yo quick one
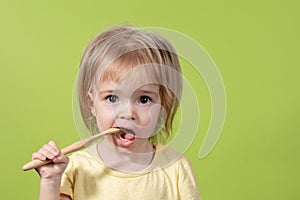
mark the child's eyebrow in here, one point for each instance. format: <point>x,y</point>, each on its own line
<point>107,91</point>
<point>143,91</point>
<point>147,92</point>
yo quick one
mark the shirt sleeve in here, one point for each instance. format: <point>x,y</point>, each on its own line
<point>187,184</point>
<point>67,180</point>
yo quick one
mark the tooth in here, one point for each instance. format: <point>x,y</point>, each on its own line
<point>121,138</point>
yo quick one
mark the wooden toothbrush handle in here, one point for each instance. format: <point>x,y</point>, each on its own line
<point>71,148</point>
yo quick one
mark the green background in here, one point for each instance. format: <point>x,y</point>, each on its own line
<point>255,45</point>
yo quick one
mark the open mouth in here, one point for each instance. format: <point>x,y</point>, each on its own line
<point>125,134</point>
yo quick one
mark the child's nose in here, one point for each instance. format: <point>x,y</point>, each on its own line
<point>127,111</point>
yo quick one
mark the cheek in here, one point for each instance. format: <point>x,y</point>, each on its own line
<point>152,115</point>
<point>104,118</point>
<point>149,119</point>
<point>155,112</point>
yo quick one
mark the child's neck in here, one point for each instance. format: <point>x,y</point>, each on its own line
<point>126,161</point>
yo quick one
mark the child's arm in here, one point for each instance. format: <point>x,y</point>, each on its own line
<point>51,173</point>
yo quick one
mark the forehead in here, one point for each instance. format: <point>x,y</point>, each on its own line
<point>140,66</point>
<point>133,76</point>
<point>115,87</point>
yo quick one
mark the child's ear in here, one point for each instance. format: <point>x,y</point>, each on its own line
<point>91,103</point>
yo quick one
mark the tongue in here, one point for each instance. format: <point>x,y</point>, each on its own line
<point>128,136</point>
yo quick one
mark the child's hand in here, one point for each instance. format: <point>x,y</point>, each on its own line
<point>59,161</point>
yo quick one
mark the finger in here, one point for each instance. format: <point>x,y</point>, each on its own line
<point>53,144</point>
<point>37,155</point>
<point>61,159</point>
<point>49,151</point>
<point>55,149</point>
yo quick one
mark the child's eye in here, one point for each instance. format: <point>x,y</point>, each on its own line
<point>145,99</point>
<point>112,98</point>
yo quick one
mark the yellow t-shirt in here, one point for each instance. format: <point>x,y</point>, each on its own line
<point>168,177</point>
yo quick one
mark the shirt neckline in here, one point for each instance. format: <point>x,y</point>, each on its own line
<point>95,155</point>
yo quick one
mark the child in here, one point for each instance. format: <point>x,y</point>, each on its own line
<point>131,80</point>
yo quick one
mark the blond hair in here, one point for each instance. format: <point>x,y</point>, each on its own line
<point>119,49</point>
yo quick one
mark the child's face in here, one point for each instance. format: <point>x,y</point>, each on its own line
<point>135,109</point>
